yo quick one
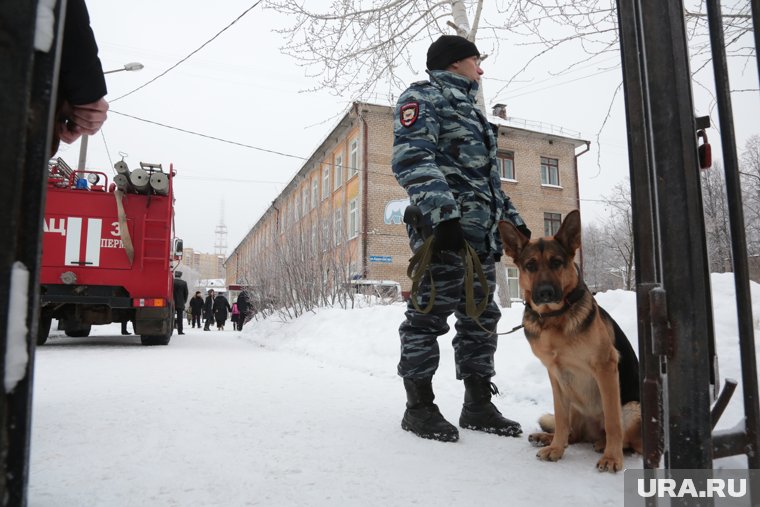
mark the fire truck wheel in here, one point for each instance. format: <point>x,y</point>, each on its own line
<point>79,332</point>
<point>43,329</point>
<point>160,339</point>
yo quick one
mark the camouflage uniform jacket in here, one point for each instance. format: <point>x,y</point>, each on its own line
<point>444,155</point>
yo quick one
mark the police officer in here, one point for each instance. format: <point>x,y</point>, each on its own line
<point>444,155</point>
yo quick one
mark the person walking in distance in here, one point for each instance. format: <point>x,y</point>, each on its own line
<point>180,299</point>
<point>221,311</point>
<point>208,310</point>
<point>235,315</point>
<point>244,307</point>
<point>444,155</point>
<point>196,309</point>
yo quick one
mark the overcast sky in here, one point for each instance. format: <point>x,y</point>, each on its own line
<point>240,88</point>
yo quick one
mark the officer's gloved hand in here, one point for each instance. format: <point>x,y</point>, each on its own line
<point>448,235</point>
<point>524,230</point>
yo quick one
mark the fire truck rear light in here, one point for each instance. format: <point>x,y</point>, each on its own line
<point>143,302</point>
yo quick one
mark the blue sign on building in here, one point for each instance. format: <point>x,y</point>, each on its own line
<point>386,259</point>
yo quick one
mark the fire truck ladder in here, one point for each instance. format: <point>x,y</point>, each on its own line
<point>155,239</point>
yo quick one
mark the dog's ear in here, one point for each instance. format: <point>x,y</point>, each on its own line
<point>569,234</point>
<point>514,240</point>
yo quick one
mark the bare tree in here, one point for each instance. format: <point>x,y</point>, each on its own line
<point>715,208</point>
<point>354,45</point>
<point>618,234</point>
<point>608,251</point>
<point>597,259</point>
<point>302,265</point>
<point>591,27</point>
<point>750,172</point>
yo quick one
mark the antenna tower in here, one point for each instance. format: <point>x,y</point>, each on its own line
<point>220,233</point>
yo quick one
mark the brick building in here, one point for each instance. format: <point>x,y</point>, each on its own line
<point>346,196</point>
<point>207,266</point>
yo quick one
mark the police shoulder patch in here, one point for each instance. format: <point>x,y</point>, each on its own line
<point>409,113</point>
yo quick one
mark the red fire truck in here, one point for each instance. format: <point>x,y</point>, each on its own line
<point>108,251</point>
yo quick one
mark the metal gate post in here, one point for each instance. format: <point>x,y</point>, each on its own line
<point>670,232</point>
<point>747,441</point>
<point>644,229</point>
<point>29,81</point>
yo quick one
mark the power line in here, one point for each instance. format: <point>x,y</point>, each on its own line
<point>208,136</point>
<point>191,54</point>
<point>563,83</point>
<point>297,157</point>
<point>108,152</point>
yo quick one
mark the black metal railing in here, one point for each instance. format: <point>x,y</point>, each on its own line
<point>675,323</point>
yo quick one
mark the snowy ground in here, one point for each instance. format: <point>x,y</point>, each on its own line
<point>304,413</point>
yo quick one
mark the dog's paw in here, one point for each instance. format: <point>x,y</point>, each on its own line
<point>599,445</point>
<point>540,439</point>
<point>610,463</point>
<point>550,453</point>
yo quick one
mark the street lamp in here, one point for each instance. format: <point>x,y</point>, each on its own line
<point>83,140</point>
<point>127,66</point>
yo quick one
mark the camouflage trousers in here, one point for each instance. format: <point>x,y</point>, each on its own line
<point>474,348</point>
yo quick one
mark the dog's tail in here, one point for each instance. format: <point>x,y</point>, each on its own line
<point>546,422</point>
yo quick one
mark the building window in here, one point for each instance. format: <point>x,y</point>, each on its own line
<point>314,193</point>
<point>325,240</point>
<point>338,225</point>
<point>513,284</point>
<point>552,221</point>
<point>549,171</point>
<point>338,171</point>
<point>353,158</point>
<point>353,219</point>
<point>506,162</point>
<point>305,199</point>
<point>325,181</point>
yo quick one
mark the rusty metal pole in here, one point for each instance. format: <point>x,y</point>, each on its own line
<point>670,231</point>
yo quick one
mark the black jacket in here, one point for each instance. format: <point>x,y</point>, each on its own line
<point>244,303</point>
<point>221,307</point>
<point>208,308</point>
<point>180,293</point>
<point>81,78</point>
<point>196,305</point>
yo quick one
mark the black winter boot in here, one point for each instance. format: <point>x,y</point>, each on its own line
<point>478,413</point>
<point>422,416</point>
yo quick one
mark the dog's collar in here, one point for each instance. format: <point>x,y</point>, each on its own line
<point>573,297</point>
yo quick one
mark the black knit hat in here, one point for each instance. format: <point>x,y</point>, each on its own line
<point>449,49</point>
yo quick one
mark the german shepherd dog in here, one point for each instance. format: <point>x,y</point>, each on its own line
<point>592,367</point>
